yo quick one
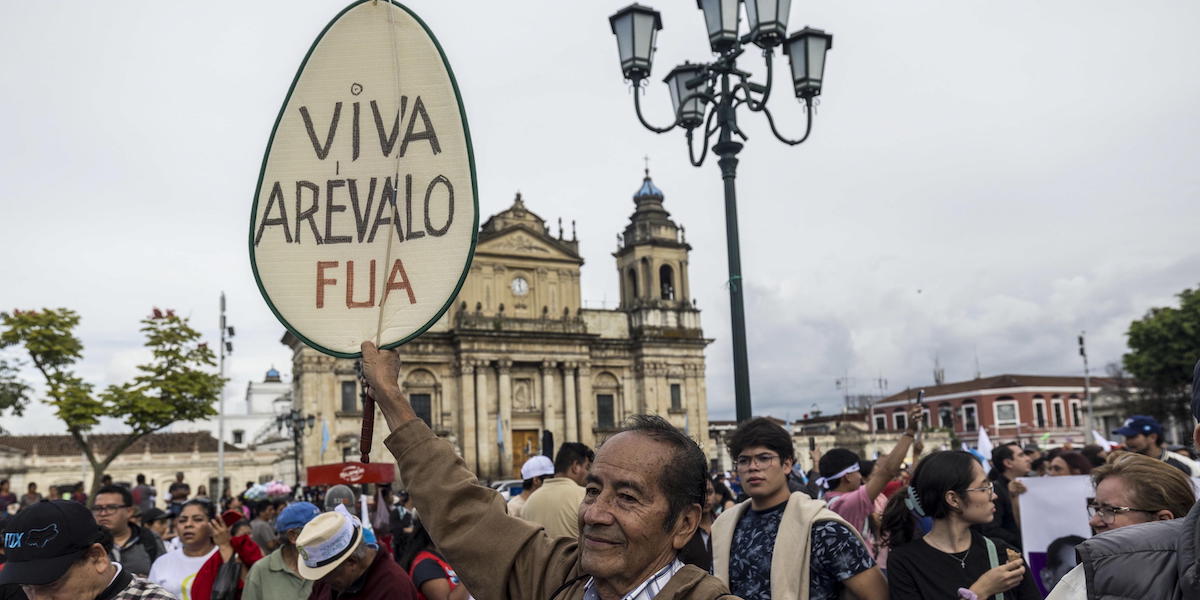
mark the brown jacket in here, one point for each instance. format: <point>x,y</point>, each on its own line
<point>496,555</point>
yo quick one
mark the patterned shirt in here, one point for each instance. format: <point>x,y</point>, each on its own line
<point>836,555</point>
<point>143,589</point>
<point>646,591</point>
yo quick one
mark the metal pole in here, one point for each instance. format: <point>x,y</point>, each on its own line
<point>728,149</point>
<point>1087,389</point>
<point>296,425</point>
<point>220,491</point>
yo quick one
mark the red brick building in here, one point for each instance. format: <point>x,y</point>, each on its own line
<point>1010,407</point>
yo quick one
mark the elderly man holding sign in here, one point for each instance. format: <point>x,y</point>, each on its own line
<point>643,501</point>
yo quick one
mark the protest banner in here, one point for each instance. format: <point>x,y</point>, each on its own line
<point>1054,520</point>
<point>366,214</point>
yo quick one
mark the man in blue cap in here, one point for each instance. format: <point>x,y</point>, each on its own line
<point>277,577</point>
<point>1145,436</point>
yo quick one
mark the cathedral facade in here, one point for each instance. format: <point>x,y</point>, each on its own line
<point>517,364</point>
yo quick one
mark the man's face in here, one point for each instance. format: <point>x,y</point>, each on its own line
<point>579,471</point>
<point>1114,492</point>
<point>344,575</point>
<point>761,471</point>
<point>111,513</point>
<point>622,533</point>
<point>85,579</point>
<point>1020,462</point>
<point>853,481</point>
<point>1139,443</point>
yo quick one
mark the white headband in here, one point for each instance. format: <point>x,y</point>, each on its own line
<point>323,553</point>
<point>824,481</point>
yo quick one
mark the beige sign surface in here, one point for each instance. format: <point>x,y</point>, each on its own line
<point>365,216</point>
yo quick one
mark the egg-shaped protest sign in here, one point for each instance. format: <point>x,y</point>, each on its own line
<point>365,216</point>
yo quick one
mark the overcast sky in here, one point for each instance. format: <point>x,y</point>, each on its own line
<point>984,179</point>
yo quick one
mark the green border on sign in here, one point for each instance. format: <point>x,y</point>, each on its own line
<point>470,159</point>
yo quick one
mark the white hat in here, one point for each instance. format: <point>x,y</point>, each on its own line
<point>536,467</point>
<point>325,542</point>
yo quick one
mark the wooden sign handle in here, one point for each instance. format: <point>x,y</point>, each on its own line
<point>368,416</point>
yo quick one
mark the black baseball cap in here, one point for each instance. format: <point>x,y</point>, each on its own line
<point>45,539</point>
<point>154,514</point>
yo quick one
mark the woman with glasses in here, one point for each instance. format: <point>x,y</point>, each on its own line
<point>1131,489</point>
<point>934,551</point>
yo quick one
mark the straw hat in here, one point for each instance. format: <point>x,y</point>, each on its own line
<point>326,542</point>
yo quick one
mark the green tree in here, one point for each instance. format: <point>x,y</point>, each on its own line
<point>174,385</point>
<point>1164,346</point>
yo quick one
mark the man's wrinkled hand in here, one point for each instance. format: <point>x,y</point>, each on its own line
<point>381,368</point>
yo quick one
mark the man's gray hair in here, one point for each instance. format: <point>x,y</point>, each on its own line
<point>682,479</point>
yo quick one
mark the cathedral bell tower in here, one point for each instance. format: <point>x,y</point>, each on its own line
<point>652,262</point>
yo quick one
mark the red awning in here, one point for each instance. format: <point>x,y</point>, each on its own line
<point>351,473</point>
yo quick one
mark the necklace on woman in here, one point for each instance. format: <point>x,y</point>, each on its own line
<point>962,562</point>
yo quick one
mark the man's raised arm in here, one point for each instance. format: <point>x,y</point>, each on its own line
<point>497,556</point>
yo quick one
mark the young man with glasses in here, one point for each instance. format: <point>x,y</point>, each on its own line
<point>133,546</point>
<point>820,553</point>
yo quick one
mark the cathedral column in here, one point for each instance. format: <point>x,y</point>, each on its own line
<point>569,407</point>
<point>587,406</point>
<point>482,437</point>
<point>684,288</point>
<point>466,413</point>
<point>691,403</point>
<point>504,368</point>
<point>548,422</point>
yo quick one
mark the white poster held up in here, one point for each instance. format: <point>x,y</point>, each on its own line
<point>365,217</point>
<point>1054,520</point>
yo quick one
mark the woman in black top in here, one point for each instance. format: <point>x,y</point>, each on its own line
<point>950,561</point>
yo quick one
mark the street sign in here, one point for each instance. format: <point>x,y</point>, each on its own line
<point>365,215</point>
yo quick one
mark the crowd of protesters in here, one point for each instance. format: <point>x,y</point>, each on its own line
<point>637,518</point>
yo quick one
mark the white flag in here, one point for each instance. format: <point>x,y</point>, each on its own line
<point>1108,446</point>
<point>985,447</point>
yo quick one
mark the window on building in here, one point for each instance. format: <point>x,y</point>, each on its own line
<point>1076,418</point>
<point>900,419</point>
<point>970,419</point>
<point>238,436</point>
<point>1006,412</point>
<point>666,281</point>
<point>633,286</point>
<point>1039,412</point>
<point>1058,414</point>
<point>946,416</point>
<point>422,404</point>
<point>676,396</point>
<point>880,423</point>
<point>605,417</point>
<point>212,487</point>
<point>349,396</point>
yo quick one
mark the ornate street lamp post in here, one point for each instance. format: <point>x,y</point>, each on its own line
<point>297,423</point>
<point>709,95</point>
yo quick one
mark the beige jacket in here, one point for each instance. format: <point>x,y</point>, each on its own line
<point>792,551</point>
<point>496,555</point>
